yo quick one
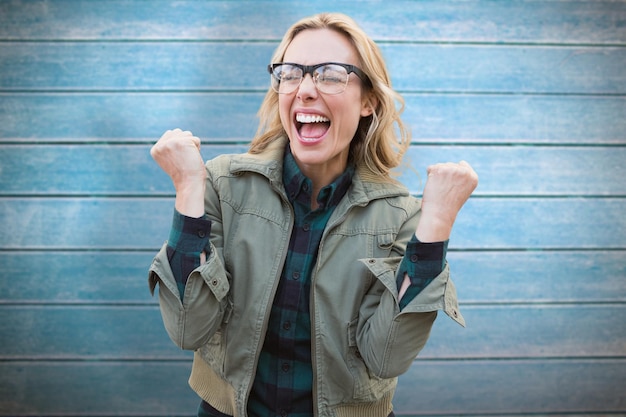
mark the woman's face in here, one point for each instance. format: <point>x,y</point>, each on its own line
<point>321,148</point>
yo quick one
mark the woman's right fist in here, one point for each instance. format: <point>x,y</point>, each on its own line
<point>178,153</point>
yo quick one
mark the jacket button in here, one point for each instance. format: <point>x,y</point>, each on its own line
<point>414,258</point>
<point>372,261</point>
<point>214,283</point>
<point>286,367</point>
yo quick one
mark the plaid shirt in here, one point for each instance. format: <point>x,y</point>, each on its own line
<point>284,378</point>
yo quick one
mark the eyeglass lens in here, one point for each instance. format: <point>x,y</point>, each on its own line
<point>329,79</point>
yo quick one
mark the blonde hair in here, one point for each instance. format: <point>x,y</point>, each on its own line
<point>381,139</point>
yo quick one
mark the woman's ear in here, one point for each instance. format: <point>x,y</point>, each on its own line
<point>368,104</point>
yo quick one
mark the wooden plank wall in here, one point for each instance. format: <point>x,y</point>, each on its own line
<point>532,93</point>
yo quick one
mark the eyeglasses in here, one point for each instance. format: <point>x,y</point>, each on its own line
<point>328,77</point>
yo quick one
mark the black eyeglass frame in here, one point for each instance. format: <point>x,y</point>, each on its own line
<point>310,69</point>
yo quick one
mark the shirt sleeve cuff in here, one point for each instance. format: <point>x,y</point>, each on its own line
<point>188,234</point>
<point>422,262</point>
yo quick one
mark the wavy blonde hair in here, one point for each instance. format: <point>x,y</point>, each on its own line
<point>381,139</point>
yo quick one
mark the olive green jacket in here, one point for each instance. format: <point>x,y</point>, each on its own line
<point>361,341</point>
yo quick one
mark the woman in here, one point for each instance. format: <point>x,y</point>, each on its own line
<point>303,276</point>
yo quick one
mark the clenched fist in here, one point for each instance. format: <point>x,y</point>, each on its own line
<point>178,154</point>
<point>447,188</point>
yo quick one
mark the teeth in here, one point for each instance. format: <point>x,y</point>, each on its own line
<point>310,118</point>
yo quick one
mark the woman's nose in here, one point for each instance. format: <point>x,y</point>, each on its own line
<point>307,88</point>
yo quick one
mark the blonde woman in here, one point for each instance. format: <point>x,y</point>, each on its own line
<point>304,277</point>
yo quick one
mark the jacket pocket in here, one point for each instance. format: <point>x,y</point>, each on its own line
<point>214,352</point>
<point>366,386</point>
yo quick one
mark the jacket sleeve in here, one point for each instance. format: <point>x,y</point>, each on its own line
<point>193,317</point>
<point>192,321</point>
<point>388,337</point>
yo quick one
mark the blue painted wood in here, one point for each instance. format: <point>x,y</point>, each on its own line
<point>212,66</point>
<point>526,170</point>
<point>441,388</point>
<point>432,117</point>
<point>530,92</point>
<point>75,278</point>
<point>531,331</point>
<point>84,332</point>
<point>143,223</point>
<point>106,388</point>
<point>503,278</point>
<point>518,21</point>
<point>484,277</point>
<point>92,170</point>
<point>587,387</point>
<point>80,169</point>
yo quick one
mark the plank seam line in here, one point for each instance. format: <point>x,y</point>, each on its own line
<point>168,195</point>
<point>135,305</point>
<point>6,359</point>
<point>150,305</point>
<point>590,413</point>
<point>245,142</point>
<point>196,91</point>
<point>611,358</point>
<point>276,41</point>
<point>51,249</point>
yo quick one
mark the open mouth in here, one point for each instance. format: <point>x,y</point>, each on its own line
<point>311,127</point>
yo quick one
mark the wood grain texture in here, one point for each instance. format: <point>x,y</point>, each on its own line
<point>99,388</point>
<point>241,66</point>
<point>483,223</point>
<point>531,92</point>
<point>497,332</point>
<point>519,387</point>
<point>431,388</point>
<point>482,277</point>
<point>517,21</point>
<point>486,118</point>
<point>79,169</point>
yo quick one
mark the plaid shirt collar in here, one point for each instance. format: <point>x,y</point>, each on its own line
<point>298,186</point>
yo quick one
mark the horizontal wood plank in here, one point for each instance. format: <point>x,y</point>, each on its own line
<point>85,332</point>
<point>224,116</point>
<point>92,169</point>
<point>132,66</point>
<point>571,22</point>
<point>539,276</point>
<point>429,388</point>
<point>493,332</point>
<point>118,278</point>
<point>536,331</point>
<point>95,169</point>
<point>83,278</point>
<point>526,387</point>
<point>143,223</point>
<point>531,92</point>
<point>150,388</point>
